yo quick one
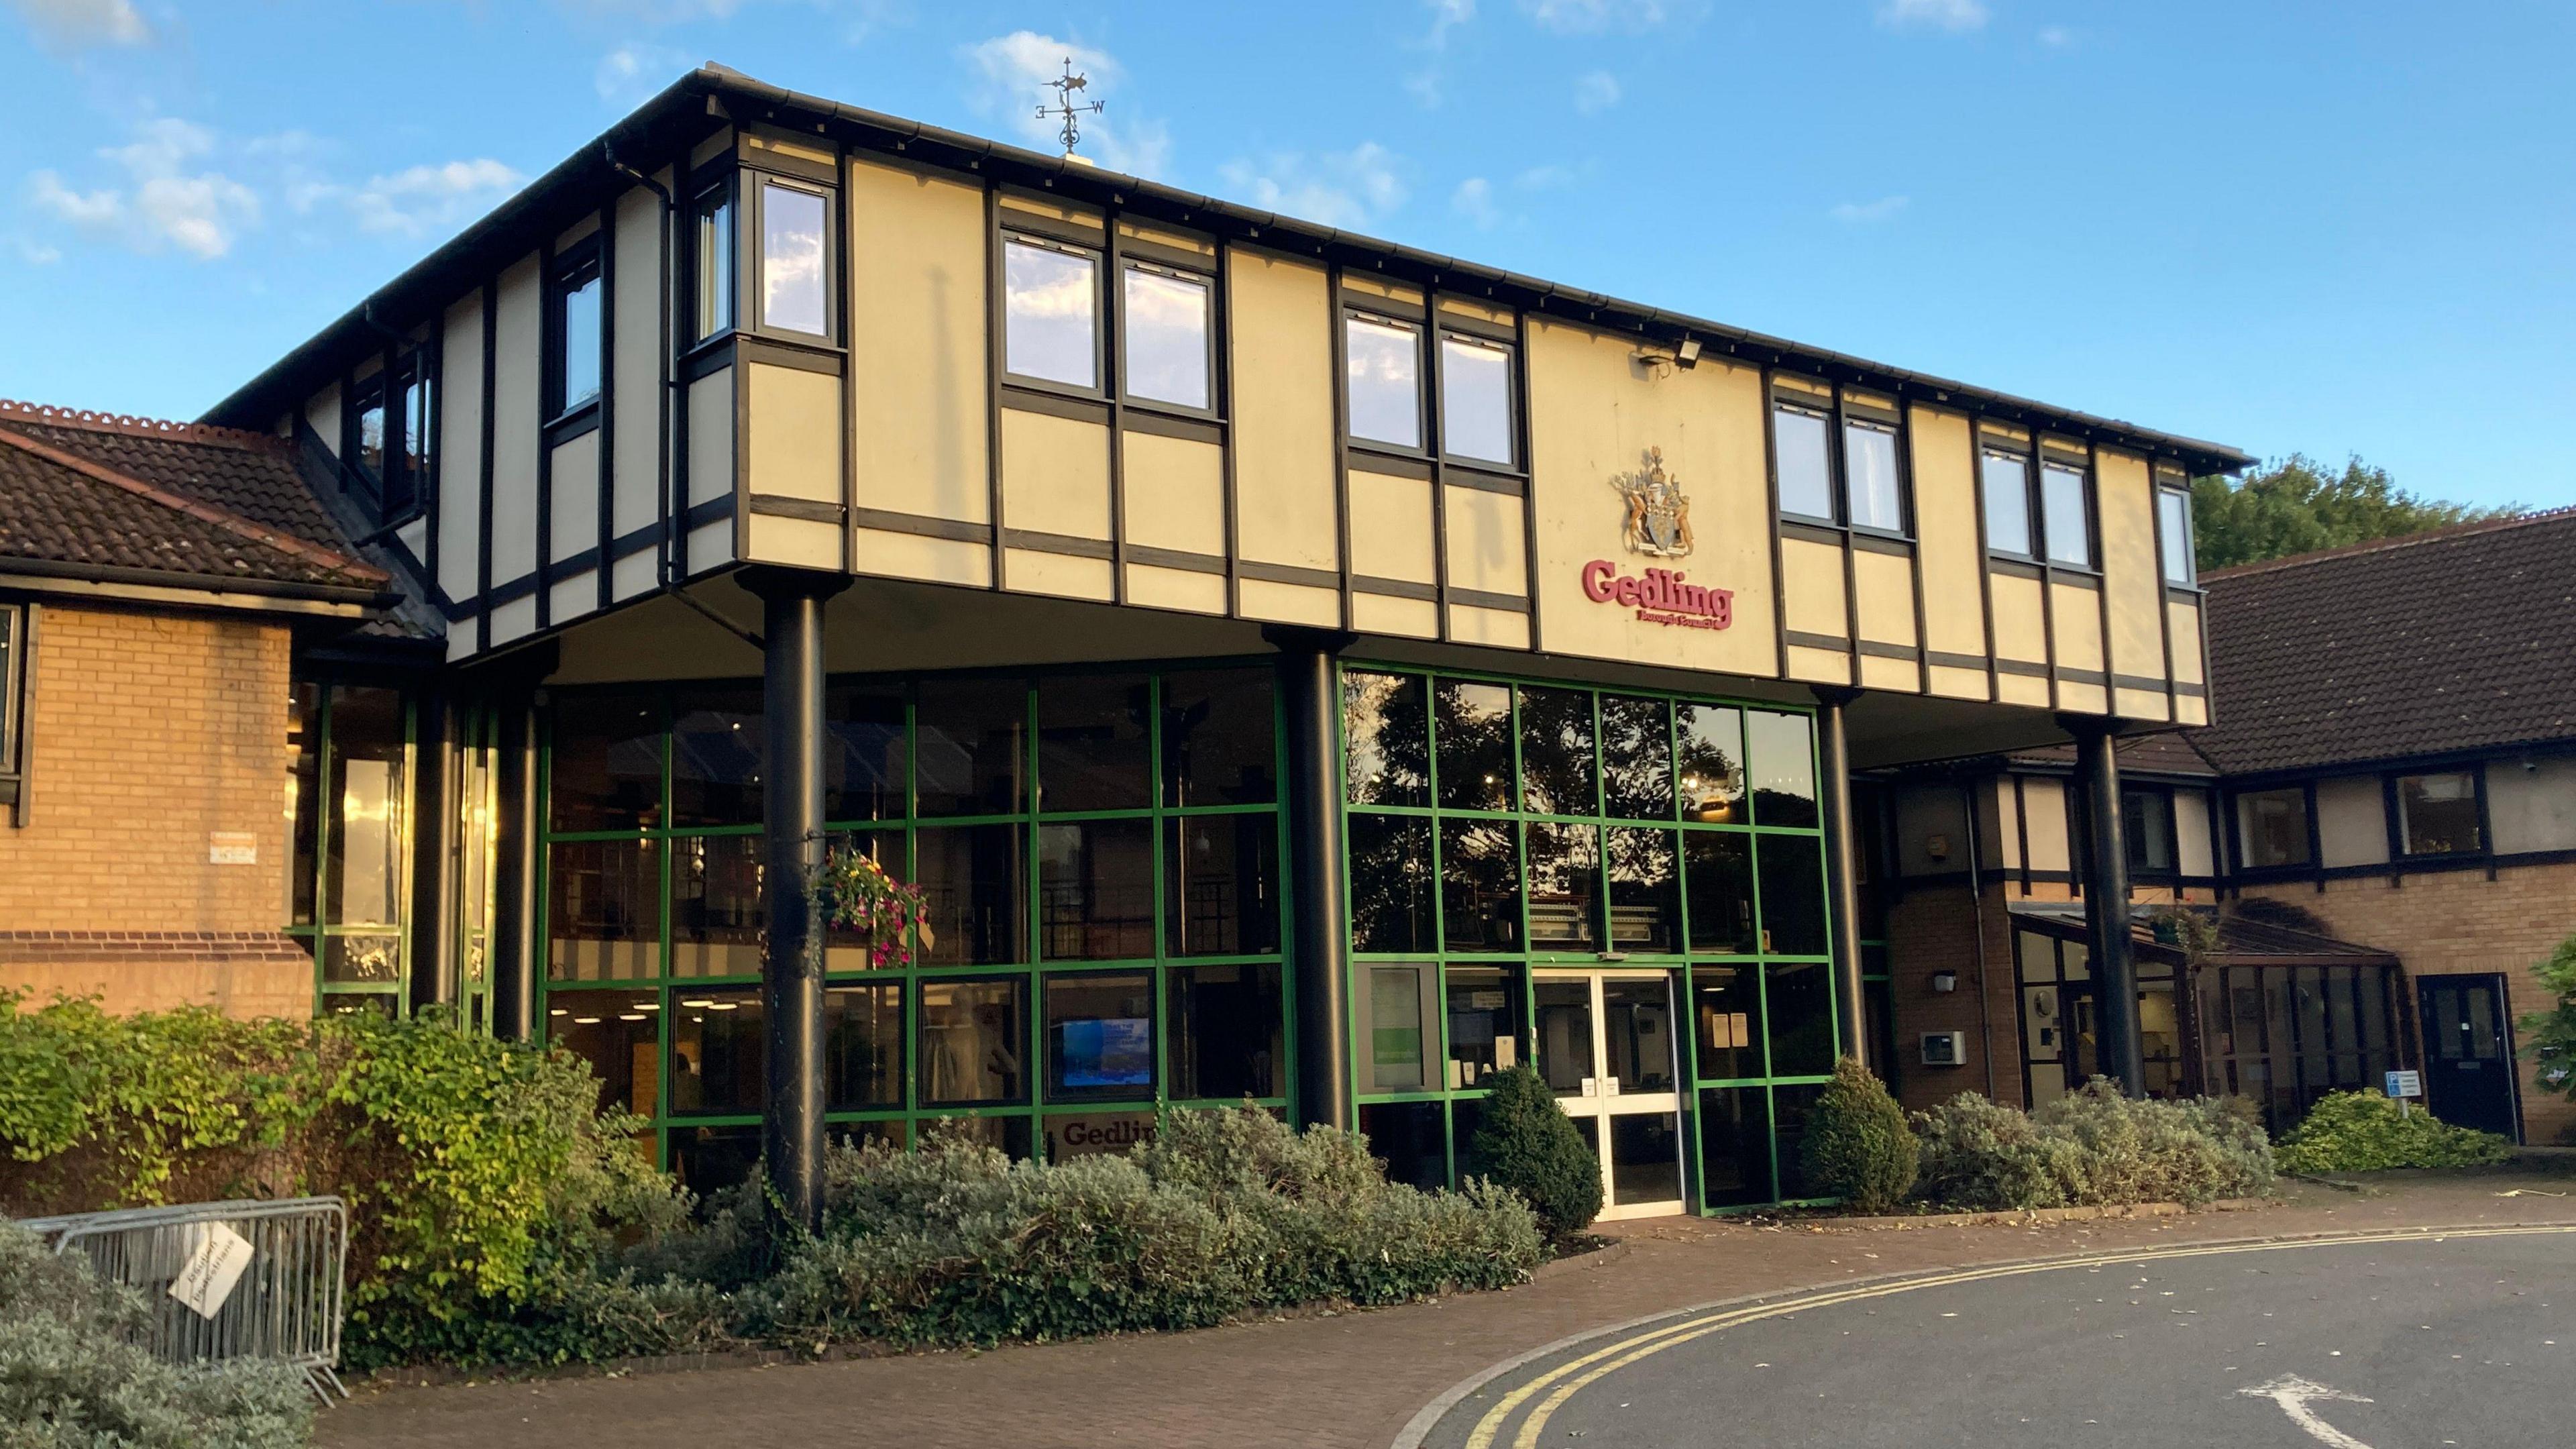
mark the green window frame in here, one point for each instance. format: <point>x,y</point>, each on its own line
<point>657,982</point>
<point>357,965</point>
<point>1777,1091</point>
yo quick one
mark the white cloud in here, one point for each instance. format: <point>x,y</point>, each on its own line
<point>1010,74</point>
<point>35,254</point>
<point>1429,85</point>
<point>1593,17</point>
<point>1595,90</point>
<point>76,24</point>
<point>420,200</point>
<point>1869,213</point>
<point>161,202</point>
<point>1938,14</point>
<point>1474,200</point>
<point>91,209</point>
<point>2056,37</point>
<point>630,74</point>
<point>1544,178</point>
<point>1341,188</point>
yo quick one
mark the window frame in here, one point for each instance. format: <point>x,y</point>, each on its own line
<point>1839,416</point>
<point>2164,538</point>
<point>1424,402</point>
<point>1442,334</point>
<point>2089,508</point>
<point>1101,315</point>
<point>1895,432</point>
<point>567,272</point>
<point>404,491</point>
<point>1824,413</point>
<point>750,245</point>
<point>17,699</point>
<point>1126,395</point>
<point>724,181</point>
<point>1990,447</point>
<point>2171,870</point>
<point>2393,800</point>
<point>2309,852</point>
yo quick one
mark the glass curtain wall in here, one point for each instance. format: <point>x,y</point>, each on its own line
<point>1498,827</point>
<point>1099,858</point>
<point>348,824</point>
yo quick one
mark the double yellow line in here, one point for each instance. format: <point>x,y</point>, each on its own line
<point>1572,1377</point>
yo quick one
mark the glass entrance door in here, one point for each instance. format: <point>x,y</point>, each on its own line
<point>1605,1045</point>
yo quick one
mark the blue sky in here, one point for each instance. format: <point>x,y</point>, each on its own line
<point>2331,228</point>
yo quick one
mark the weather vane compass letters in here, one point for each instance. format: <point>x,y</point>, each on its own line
<point>1065,109</point>
<point>1658,522</point>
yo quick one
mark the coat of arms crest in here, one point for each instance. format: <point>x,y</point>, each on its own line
<point>1658,522</point>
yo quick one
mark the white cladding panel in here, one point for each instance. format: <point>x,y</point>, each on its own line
<point>460,450</point>
<point>637,356</point>
<point>516,374</point>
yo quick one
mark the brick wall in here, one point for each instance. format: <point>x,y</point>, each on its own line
<point>150,733</point>
<point>1932,930</point>
<point>2459,922</point>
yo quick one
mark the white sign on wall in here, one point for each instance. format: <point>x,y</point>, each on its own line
<point>232,847</point>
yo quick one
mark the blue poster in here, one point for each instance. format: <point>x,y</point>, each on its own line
<point>1113,1052</point>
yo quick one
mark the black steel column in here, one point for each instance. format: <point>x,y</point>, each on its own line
<point>791,974</point>
<point>433,814</point>
<point>517,913</point>
<point>2106,904</point>
<point>1842,880</point>
<point>1310,705</point>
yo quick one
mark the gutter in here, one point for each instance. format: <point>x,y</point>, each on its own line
<point>193,590</point>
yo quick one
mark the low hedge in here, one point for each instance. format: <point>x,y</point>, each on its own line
<point>2365,1132</point>
<point>2091,1148</point>
<point>1856,1145</point>
<point>1526,1143</point>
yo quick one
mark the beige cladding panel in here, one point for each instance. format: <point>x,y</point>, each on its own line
<point>322,415</point>
<point>1051,209</point>
<point>1161,588</point>
<point>1177,241</point>
<point>804,543</point>
<point>710,439</point>
<point>1492,627</point>
<point>793,446</point>
<point>1175,494</point>
<point>2000,826</point>
<point>1281,318</point>
<point>1814,592</point>
<point>573,483</point>
<point>2131,575</point>
<point>1290,603</point>
<point>2044,802</point>
<point>1953,682</point>
<point>2020,625</point>
<point>516,353</point>
<point>1488,545</point>
<point>1877,671</point>
<point>1947,548</point>
<point>2082,698</point>
<point>635,499</point>
<point>2139,704</point>
<point>1055,476</point>
<point>935,560</point>
<point>460,450</point>
<point>1595,410</point>
<point>571,597</point>
<point>2191,833</point>
<point>2023,689</point>
<point>1480,311</point>
<point>917,316</point>
<point>2076,615</point>
<point>1821,666</point>
<point>1391,528</point>
<point>2191,711</point>
<point>1382,614</point>
<point>1886,596</point>
<point>1369,286</point>
<point>2182,620</point>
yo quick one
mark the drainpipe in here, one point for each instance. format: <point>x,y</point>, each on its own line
<point>1977,917</point>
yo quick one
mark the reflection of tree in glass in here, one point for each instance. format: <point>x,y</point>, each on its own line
<point>1386,739</point>
<point>1637,757</point>
<point>1564,885</point>
<point>1474,725</point>
<point>1390,883</point>
<point>1480,886</point>
<point>1712,763</point>
<point>1556,751</point>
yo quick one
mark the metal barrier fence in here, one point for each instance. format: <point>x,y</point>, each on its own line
<point>226,1280</point>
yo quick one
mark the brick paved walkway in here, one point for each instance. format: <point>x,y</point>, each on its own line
<point>1349,1380</point>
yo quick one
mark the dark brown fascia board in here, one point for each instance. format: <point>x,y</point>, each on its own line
<point>575,182</point>
<point>205,591</point>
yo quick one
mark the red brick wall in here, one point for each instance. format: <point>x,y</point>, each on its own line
<point>150,732</point>
<point>1931,930</point>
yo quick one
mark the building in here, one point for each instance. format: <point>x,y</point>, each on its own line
<point>2382,820</point>
<point>1294,667</point>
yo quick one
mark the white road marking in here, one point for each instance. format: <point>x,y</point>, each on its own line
<point>2294,1394</point>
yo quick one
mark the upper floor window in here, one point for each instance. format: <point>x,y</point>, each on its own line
<point>1168,356</point>
<point>2006,480</point>
<point>1384,364</point>
<point>13,668</point>
<point>2066,514</point>
<point>413,386</point>
<point>1476,399</point>
<point>367,430</point>
<point>2173,526</point>
<point>390,442</point>
<point>1050,312</point>
<point>1869,469</point>
<point>2272,827</point>
<point>2147,830</point>
<point>2437,814</point>
<point>794,290</point>
<point>1800,445</point>
<point>575,298</point>
<point>711,233</point>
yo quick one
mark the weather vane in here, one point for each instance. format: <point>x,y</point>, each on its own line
<point>1064,107</point>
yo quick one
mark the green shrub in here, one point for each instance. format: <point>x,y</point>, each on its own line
<point>71,1376</point>
<point>2093,1148</point>
<point>2365,1132</point>
<point>2549,1037</point>
<point>1856,1146</point>
<point>1528,1144</point>
<point>1224,1214</point>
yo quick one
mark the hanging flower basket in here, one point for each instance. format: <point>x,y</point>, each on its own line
<point>857,895</point>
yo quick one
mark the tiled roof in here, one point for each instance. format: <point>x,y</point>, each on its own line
<point>2457,639</point>
<point>82,490</point>
<point>2166,753</point>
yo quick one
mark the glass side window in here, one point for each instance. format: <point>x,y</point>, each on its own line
<point>1385,381</point>
<point>1050,313</point>
<point>409,480</point>
<point>1798,442</point>
<point>1869,463</point>
<point>792,287</point>
<point>2272,827</point>
<point>712,225</point>
<point>2173,523</point>
<point>2147,830</point>
<point>367,448</point>
<point>1476,399</point>
<point>2437,814</point>
<point>2006,480</point>
<point>2066,520</point>
<point>1167,337</point>
<point>576,339</point>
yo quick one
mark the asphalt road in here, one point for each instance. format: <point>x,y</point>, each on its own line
<point>2464,1339</point>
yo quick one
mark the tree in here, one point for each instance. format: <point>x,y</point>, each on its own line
<point>2549,1037</point>
<point>2296,506</point>
<point>1528,1144</point>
